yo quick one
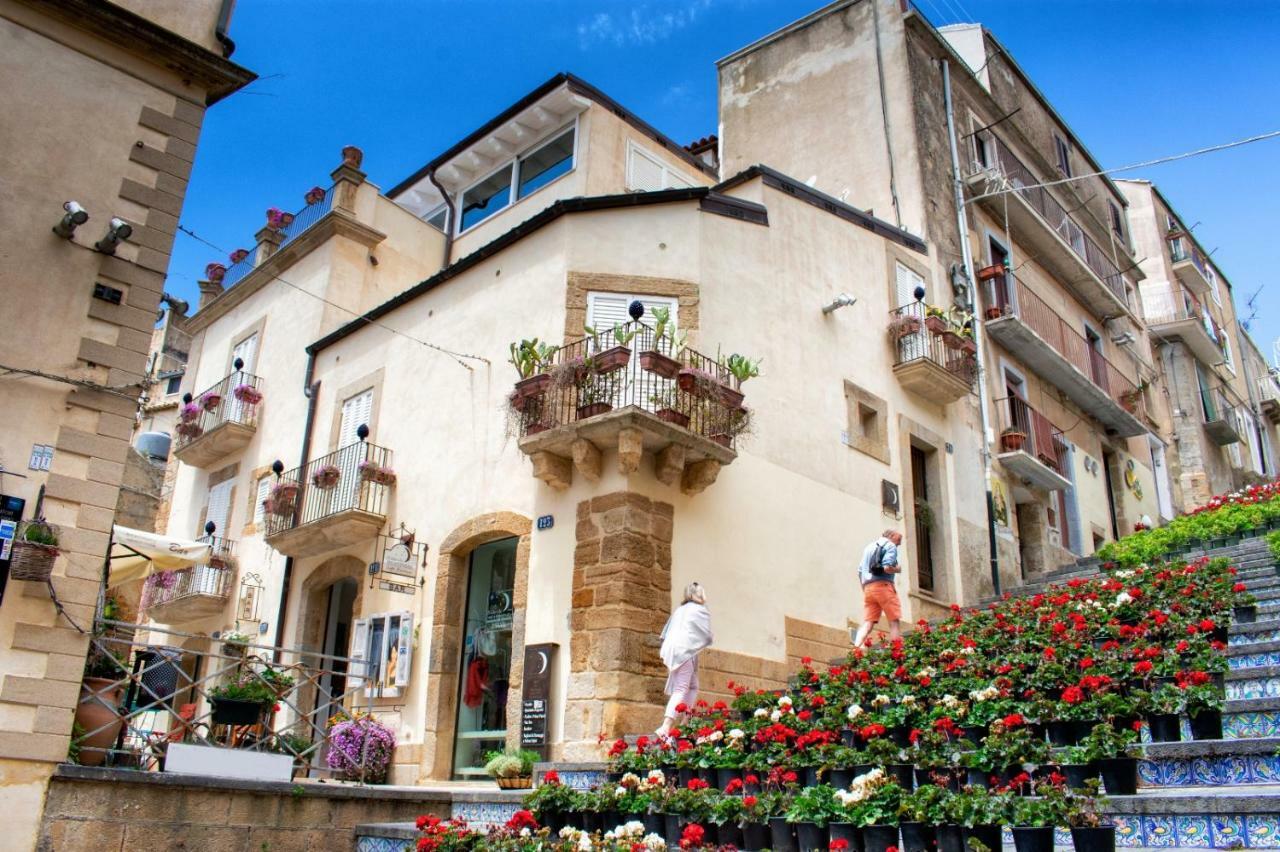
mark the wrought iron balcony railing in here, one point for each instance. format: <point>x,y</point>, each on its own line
<point>235,399</point>
<point>919,336</point>
<point>1181,248</point>
<point>208,584</point>
<point>356,477</point>
<point>1022,428</point>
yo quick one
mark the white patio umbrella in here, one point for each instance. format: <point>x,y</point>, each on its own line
<point>136,554</point>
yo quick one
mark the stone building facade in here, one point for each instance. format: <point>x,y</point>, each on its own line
<point>103,105</point>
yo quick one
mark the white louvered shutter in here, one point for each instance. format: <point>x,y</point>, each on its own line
<point>404,642</point>
<point>605,310</point>
<point>263,491</point>
<point>905,282</point>
<point>359,654</point>
<point>246,350</point>
<point>219,510</point>
<point>644,174</point>
<point>356,411</point>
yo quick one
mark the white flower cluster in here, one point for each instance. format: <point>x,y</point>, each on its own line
<point>861,788</point>
<point>985,694</point>
<point>907,700</point>
<point>1123,598</point>
<point>855,710</point>
<point>713,737</point>
<point>1125,574</point>
<point>737,734</point>
<point>1089,604</point>
<point>927,671</point>
<point>951,702</point>
<point>655,780</point>
<point>881,700</point>
<point>760,713</point>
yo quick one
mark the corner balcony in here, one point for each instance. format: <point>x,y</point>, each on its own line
<point>1220,422</point>
<point>1189,265</point>
<point>1044,229</point>
<point>1024,324</point>
<point>931,358</point>
<point>1269,398</point>
<point>681,407</point>
<point>201,591</point>
<point>332,502</point>
<point>219,421</point>
<point>1175,313</point>
<point>1031,448</point>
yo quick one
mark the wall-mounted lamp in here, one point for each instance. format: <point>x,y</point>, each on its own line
<point>844,300</point>
<point>118,230</point>
<point>72,219</point>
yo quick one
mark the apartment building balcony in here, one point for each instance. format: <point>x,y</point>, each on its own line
<point>1031,448</point>
<point>220,420</point>
<point>1269,398</point>
<point>334,501</point>
<point>176,597</point>
<point>931,358</point>
<point>1174,313</point>
<point>1037,335</point>
<point>1220,421</point>
<point>1189,265</point>
<point>644,395</point>
<point>1047,232</point>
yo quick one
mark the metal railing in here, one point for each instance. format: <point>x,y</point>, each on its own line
<point>1036,314</point>
<point>357,476</point>
<point>1171,304</point>
<point>1217,407</point>
<point>1058,219</point>
<point>593,376</point>
<point>1182,247</point>
<point>915,340</point>
<point>209,580</point>
<point>166,692</point>
<point>302,220</point>
<point>235,399</point>
<point>1039,437</point>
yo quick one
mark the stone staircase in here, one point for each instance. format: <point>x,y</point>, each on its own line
<point>1204,794</point>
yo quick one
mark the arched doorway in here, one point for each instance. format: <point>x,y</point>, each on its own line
<point>331,596</point>
<point>449,632</point>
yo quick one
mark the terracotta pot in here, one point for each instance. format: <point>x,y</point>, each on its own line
<point>987,273</point>
<point>993,313</point>
<point>658,364</point>
<point>533,386</point>
<point>670,415</point>
<point>731,397</point>
<point>594,409</point>
<point>613,359</point>
<point>352,156</point>
<point>1011,442</point>
<point>935,324</point>
<point>951,340</point>
<point>97,708</point>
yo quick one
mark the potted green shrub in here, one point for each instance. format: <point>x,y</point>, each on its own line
<point>1034,818</point>
<point>653,359</point>
<point>1204,709</point>
<point>616,357</point>
<point>530,358</point>
<point>1163,707</point>
<point>1012,440</point>
<point>34,550</point>
<point>243,701</point>
<point>1108,749</point>
<point>101,694</point>
<point>810,811</point>
<point>552,802</point>
<point>512,769</point>
<point>919,814</point>
<point>1088,831</point>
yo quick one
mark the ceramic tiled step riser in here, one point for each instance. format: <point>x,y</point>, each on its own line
<point>1210,771</point>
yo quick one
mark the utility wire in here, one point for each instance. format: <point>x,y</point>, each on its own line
<point>116,390</point>
<point>457,356</point>
<point>1158,161</point>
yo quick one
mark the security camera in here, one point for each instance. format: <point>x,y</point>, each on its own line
<point>844,300</point>
<point>72,219</point>
<point>118,230</point>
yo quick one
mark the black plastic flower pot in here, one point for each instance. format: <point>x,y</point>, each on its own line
<point>610,820</point>
<point>1081,728</point>
<point>950,838</point>
<point>988,835</point>
<point>979,778</point>
<point>903,773</point>
<point>878,838</point>
<point>1219,634</point>
<point>846,831</point>
<point>1119,775</point>
<point>809,776</point>
<point>724,776</point>
<point>229,711</point>
<point>1125,723</point>
<point>811,837</point>
<point>592,821</point>
<point>848,738</point>
<point>932,775</point>
<point>1101,839</point>
<point>1033,839</point>
<point>782,835</point>
<point>975,733</point>
<point>653,824</point>
<point>614,777</point>
<point>1078,773</point>
<point>918,837</point>
<point>707,775</point>
<point>841,778</point>
<point>901,735</point>
<point>730,834</point>
<point>673,827</point>
<point>1165,727</point>
<point>1245,614</point>
<point>1064,733</point>
<point>1207,725</point>
<point>860,769</point>
<point>755,836</point>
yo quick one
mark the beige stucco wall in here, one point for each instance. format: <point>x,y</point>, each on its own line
<point>194,20</point>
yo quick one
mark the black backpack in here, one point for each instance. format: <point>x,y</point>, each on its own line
<point>877,562</point>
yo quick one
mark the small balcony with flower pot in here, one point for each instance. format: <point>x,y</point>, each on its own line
<point>934,353</point>
<point>190,594</point>
<point>1031,448</point>
<point>219,421</point>
<point>334,501</point>
<point>635,389</point>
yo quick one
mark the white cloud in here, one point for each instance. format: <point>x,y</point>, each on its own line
<point>644,24</point>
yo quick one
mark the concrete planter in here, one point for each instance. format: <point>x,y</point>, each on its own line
<point>184,759</point>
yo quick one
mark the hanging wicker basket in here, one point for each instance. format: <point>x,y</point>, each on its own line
<point>33,560</point>
<point>519,783</point>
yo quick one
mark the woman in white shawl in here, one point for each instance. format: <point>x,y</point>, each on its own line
<point>688,631</point>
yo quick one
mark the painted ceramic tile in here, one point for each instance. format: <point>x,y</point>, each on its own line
<point>1193,831</point>
<point>1228,830</point>
<point>380,844</point>
<point>1262,831</point>
<point>1158,831</point>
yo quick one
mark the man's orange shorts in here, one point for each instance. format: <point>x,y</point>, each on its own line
<point>880,597</point>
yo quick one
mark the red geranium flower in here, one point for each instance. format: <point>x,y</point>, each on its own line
<point>522,819</point>
<point>693,836</point>
<point>1073,695</point>
<point>697,784</point>
<point>749,801</point>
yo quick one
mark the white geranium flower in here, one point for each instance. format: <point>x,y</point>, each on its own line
<point>654,843</point>
<point>855,710</point>
<point>907,700</point>
<point>1123,598</point>
<point>760,713</point>
<point>775,715</point>
<point>737,734</point>
<point>880,700</point>
<point>784,702</point>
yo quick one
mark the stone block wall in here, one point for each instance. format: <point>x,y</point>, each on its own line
<point>621,600</point>
<point>106,810</point>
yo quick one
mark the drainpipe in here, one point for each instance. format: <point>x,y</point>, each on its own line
<point>448,229</point>
<point>311,390</point>
<point>884,114</point>
<point>220,31</point>
<point>979,335</point>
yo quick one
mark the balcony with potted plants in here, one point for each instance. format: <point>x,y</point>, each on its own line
<point>1025,325</point>
<point>1012,192</point>
<point>219,421</point>
<point>1189,265</point>
<point>1031,448</point>
<point>1175,313</point>
<point>635,389</point>
<point>331,502</point>
<point>176,597</point>
<point>934,351</point>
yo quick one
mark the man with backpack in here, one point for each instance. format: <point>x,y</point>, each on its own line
<point>879,564</point>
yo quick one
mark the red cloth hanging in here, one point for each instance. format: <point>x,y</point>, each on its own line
<point>477,682</point>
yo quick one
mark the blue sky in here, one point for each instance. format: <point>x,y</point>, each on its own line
<point>403,79</point>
